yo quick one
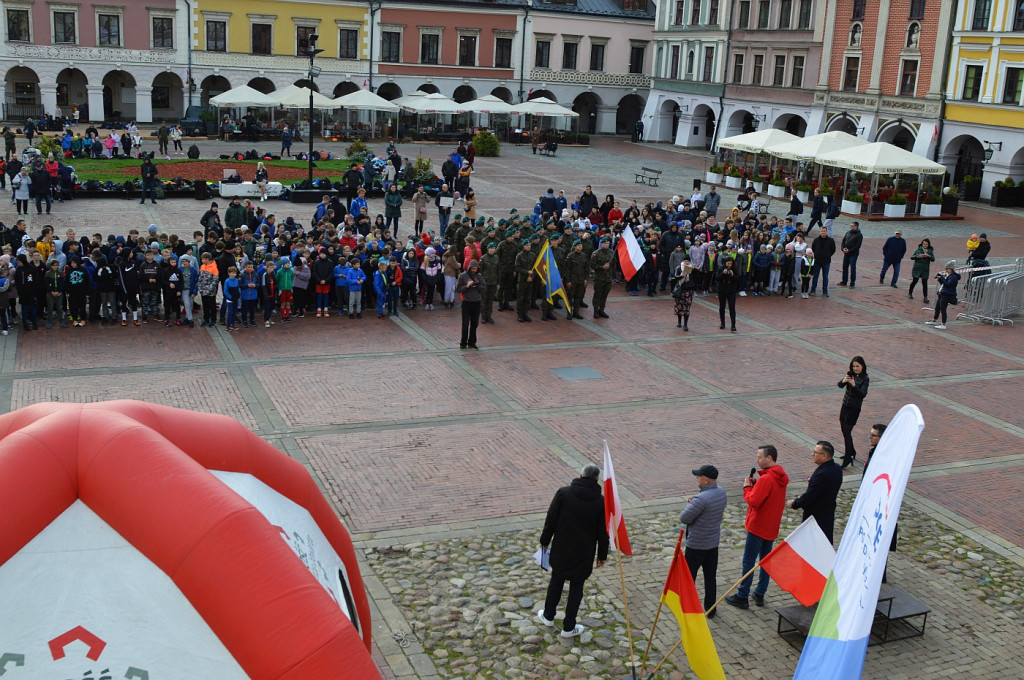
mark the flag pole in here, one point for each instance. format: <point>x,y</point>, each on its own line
<point>657,614</point>
<point>625,604</point>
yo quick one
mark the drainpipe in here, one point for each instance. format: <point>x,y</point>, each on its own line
<point>945,83</point>
<point>374,6</point>
<point>188,4</point>
<point>522,56</point>
<point>725,77</point>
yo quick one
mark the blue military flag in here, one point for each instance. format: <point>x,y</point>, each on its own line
<point>547,270</point>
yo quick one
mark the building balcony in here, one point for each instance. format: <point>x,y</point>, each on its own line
<point>688,87</point>
<point>591,78</point>
<point>275,62</point>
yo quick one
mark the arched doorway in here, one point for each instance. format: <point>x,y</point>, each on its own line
<point>344,88</point>
<point>970,157</point>
<point>740,123</point>
<point>586,105</point>
<point>71,91</point>
<point>842,123</point>
<point>668,122</point>
<point>168,97</point>
<point>119,96</point>
<point>306,82</point>
<point>503,93</point>
<point>211,87</point>
<point>1016,170</point>
<point>791,123</point>
<point>897,134</point>
<point>547,94</point>
<point>263,85</point>
<point>389,91</point>
<point>23,100</point>
<point>463,94</point>
<point>703,127</point>
<point>429,88</point>
<point>628,113</point>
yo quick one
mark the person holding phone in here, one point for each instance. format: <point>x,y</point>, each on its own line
<point>855,385</point>
<point>470,286</point>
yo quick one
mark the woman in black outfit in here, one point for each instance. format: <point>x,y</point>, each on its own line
<point>856,385</point>
<point>728,286</point>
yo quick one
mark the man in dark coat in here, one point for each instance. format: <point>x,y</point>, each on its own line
<point>576,521</point>
<point>893,251</point>
<point>819,500</point>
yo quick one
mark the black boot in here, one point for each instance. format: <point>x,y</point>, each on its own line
<point>577,315</point>
<point>603,315</point>
<point>686,322</point>
<point>679,320</point>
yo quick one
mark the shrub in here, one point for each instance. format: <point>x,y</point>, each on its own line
<point>48,145</point>
<point>734,172</point>
<point>715,169</point>
<point>854,197</point>
<point>827,191</point>
<point>357,152</point>
<point>486,144</point>
<point>897,199</point>
<point>971,179</point>
<point>421,171</point>
<point>805,187</point>
<point>1008,182</point>
<point>583,138</point>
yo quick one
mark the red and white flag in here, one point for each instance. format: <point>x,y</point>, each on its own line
<point>801,564</point>
<point>630,256</point>
<point>613,518</point>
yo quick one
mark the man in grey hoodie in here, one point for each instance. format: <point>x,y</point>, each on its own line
<point>703,520</point>
<point>471,286</point>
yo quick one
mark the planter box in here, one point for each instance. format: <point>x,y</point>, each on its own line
<point>972,191</point>
<point>713,178</point>
<point>804,196</point>
<point>895,210</point>
<point>950,204</point>
<point>1005,197</point>
<point>852,208</point>
<point>776,191</point>
<point>930,210</point>
<point>734,182</point>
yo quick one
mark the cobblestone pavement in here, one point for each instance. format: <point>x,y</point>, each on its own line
<point>442,463</point>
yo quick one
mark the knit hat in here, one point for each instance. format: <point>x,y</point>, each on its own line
<point>431,251</point>
<point>951,264</point>
<point>152,229</point>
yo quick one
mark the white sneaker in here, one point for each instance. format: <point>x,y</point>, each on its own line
<point>930,322</point>
<point>546,622</point>
<point>575,632</point>
<point>3,332</point>
<point>743,293</point>
<point>941,326</point>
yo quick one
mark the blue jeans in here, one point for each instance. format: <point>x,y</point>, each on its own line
<point>442,218</point>
<point>895,271</point>
<point>850,266</point>
<point>820,267</point>
<point>43,196</point>
<point>755,549</point>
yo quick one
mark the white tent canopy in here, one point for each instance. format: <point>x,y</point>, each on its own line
<point>491,104</point>
<point>757,141</point>
<point>881,158</point>
<point>811,147</point>
<point>433,102</point>
<point>364,100</point>
<point>295,97</point>
<point>542,106</point>
<point>243,95</point>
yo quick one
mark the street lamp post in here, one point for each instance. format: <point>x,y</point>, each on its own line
<point>314,71</point>
<point>374,7</point>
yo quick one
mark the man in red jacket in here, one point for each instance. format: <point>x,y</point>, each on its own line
<point>766,501</point>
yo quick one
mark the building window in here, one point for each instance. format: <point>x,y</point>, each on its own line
<point>635,5</point>
<point>680,13</point>
<point>302,40</point>
<point>804,22</point>
<point>758,72</point>
<point>695,13</point>
<point>390,46</point>
<point>24,94</point>
<point>597,57</point>
<point>779,77</point>
<point>972,83</point>
<point>690,59</point>
<point>673,64</point>
<point>161,97</point>
<point>917,9</point>
<point>908,78</point>
<point>785,13</point>
<point>709,64</point>
<point>109,30</point>
<point>216,36</point>
<point>744,18</point>
<point>713,12</point>
<point>430,44</point>
<point>467,50</point>
<point>543,54</point>
<point>569,51</point>
<point>763,13</point>
<point>17,25</point>
<point>503,52</point>
<point>163,33</point>
<point>64,28</point>
<point>982,12</point>
<point>737,68</point>
<point>858,10</point>
<point>1014,85</point>
<point>850,74</point>
<point>261,39</point>
<point>348,43</point>
<point>1018,17</point>
<point>636,59</point>
<point>798,72</point>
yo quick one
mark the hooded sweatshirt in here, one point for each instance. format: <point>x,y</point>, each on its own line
<point>766,501</point>
<point>475,292</point>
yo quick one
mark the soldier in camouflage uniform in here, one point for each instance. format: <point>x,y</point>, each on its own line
<point>574,276</point>
<point>524,278</point>
<point>538,285</point>
<point>507,252</point>
<point>489,270</point>
<point>601,264</point>
<point>546,309</point>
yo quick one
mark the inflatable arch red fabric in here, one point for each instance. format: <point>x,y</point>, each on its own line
<point>143,469</point>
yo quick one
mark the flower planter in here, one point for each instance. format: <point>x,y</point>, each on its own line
<point>804,196</point>
<point>895,210</point>
<point>776,191</point>
<point>713,178</point>
<point>930,210</point>
<point>972,191</point>
<point>852,207</point>
<point>734,182</point>
<point>950,204</point>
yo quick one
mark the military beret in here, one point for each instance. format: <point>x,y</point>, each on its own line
<point>526,241</point>
<point>489,230</point>
<point>554,236</point>
<point>492,244</point>
<point>502,223</point>
<point>513,211</point>
<point>509,233</point>
<point>577,242</point>
<point>480,220</point>
<point>457,216</point>
<point>605,239</point>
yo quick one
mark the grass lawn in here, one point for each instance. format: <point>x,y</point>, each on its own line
<point>111,169</point>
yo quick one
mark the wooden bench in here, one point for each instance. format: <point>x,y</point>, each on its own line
<point>648,176</point>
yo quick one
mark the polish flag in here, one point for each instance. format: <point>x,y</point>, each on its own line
<point>613,518</point>
<point>630,256</point>
<point>801,564</point>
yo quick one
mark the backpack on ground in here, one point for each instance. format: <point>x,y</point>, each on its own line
<point>193,151</point>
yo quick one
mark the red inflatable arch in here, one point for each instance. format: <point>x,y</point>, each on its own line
<point>145,470</point>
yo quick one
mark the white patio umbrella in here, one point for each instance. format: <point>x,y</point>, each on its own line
<point>433,102</point>
<point>882,158</point>
<point>491,104</point>
<point>809,148</point>
<point>755,142</point>
<point>364,100</point>
<point>295,97</point>
<point>542,106</point>
<point>242,96</point>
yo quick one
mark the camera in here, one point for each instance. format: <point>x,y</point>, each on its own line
<point>849,374</point>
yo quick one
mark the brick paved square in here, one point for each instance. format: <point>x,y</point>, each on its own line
<point>528,377</point>
<point>1008,339</point>
<point>97,346</point>
<point>643,318</point>
<point>991,498</point>
<point>446,326</point>
<point>313,337</point>
<point>433,475</point>
<point>213,391</point>
<point>336,392</point>
<point>816,312</point>
<point>654,449</point>
<point>995,397</point>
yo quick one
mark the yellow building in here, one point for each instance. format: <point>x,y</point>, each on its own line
<point>985,93</point>
<point>263,43</point>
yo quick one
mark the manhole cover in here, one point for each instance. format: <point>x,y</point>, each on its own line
<point>577,373</point>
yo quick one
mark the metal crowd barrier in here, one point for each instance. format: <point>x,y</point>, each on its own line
<point>995,295</point>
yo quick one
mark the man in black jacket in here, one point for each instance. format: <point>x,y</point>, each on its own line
<point>588,201</point>
<point>822,260</point>
<point>352,179</point>
<point>819,500</point>
<point>576,522</point>
<point>41,188</point>
<point>148,180</point>
<point>852,242</point>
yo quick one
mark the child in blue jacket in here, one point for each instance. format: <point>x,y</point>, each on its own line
<point>250,293</point>
<point>355,280</point>
<point>341,271</point>
<point>232,296</point>
<point>380,286</point>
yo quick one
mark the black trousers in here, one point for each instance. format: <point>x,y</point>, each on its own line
<point>470,321</point>
<point>730,299</point>
<point>847,421</point>
<point>708,561</point>
<point>572,605</point>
